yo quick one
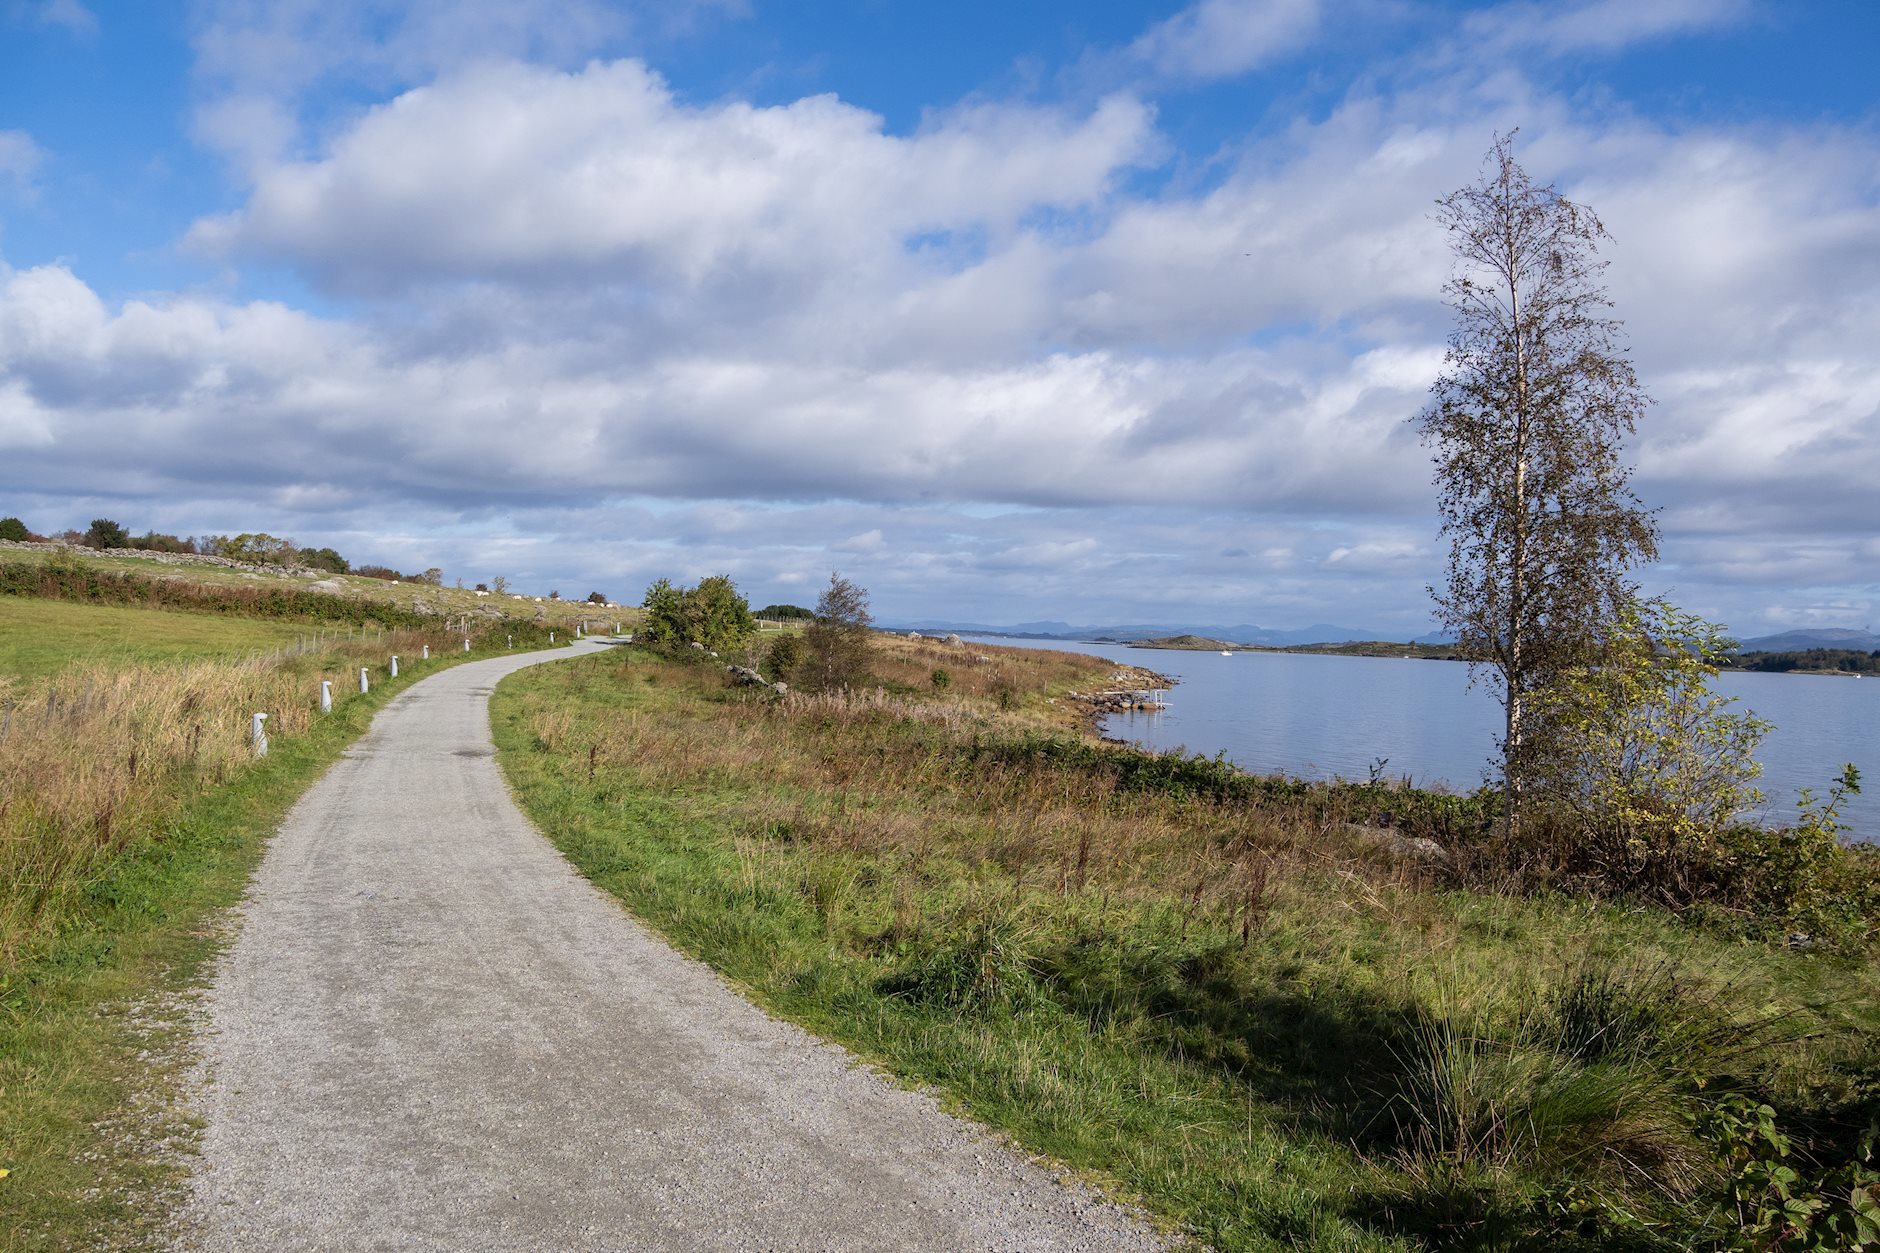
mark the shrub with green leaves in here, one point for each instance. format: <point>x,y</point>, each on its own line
<point>1773,1206</point>
<point>785,656</point>
<point>713,614</point>
<point>1651,764</point>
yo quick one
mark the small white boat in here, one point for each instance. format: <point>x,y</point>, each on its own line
<point>1226,653</point>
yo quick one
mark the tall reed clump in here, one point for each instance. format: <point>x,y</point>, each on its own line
<point>101,757</point>
<point>1568,1103</point>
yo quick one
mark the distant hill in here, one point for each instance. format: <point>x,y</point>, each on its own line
<point>1817,637</point>
<point>1245,633</point>
<point>1325,633</point>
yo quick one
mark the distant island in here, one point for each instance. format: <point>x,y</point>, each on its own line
<point>1813,650</point>
<point>1816,660</point>
<point>1345,648</point>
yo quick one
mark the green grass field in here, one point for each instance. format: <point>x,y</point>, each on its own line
<point>43,637</point>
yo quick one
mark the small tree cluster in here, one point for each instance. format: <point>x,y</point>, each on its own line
<point>249,546</point>
<point>256,547</point>
<point>712,614</point>
<point>324,559</point>
<point>785,657</point>
<point>104,533</point>
<point>836,643</point>
<point>158,542</point>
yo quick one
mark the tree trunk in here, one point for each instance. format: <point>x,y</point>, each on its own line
<point>1512,764</point>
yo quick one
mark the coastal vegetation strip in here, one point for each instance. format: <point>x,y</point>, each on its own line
<point>1212,991</point>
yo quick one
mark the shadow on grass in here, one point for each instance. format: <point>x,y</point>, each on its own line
<point>1329,1056</point>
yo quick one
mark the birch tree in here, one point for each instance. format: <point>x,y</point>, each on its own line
<point>836,643</point>
<point>1526,424</point>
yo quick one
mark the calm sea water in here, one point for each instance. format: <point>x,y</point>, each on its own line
<point>1323,717</point>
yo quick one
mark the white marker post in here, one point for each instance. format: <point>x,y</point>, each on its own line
<point>326,696</point>
<point>466,643</point>
<point>427,652</point>
<point>364,686</point>
<point>551,637</point>
<point>257,736</point>
<point>394,665</point>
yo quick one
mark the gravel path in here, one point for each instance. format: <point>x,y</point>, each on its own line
<point>430,1033</point>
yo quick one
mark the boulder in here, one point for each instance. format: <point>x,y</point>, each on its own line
<point>747,677</point>
<point>1411,847</point>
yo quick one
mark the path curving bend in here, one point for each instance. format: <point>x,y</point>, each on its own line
<point>431,1033</point>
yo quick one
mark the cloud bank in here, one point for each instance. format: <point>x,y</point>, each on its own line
<point>1005,359</point>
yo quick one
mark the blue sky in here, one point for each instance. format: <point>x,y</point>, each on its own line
<point>1101,312</point>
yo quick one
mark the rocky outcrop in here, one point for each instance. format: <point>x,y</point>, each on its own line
<point>1122,701</point>
<point>744,676</point>
<point>1397,844</point>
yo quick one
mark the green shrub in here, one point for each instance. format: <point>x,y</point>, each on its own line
<point>1772,1206</point>
<point>712,615</point>
<point>785,656</point>
<point>104,533</point>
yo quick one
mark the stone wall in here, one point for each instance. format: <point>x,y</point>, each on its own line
<point>168,559</point>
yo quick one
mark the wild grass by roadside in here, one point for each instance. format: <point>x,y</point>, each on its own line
<point>100,756</point>
<point>1215,997</point>
<point>112,881</point>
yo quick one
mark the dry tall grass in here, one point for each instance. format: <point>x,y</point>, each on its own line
<point>102,757</point>
<point>874,774</point>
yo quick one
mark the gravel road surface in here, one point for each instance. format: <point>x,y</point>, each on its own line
<point>430,1033</point>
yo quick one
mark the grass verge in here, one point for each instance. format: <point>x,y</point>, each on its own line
<point>93,1013</point>
<point>1218,1000</point>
